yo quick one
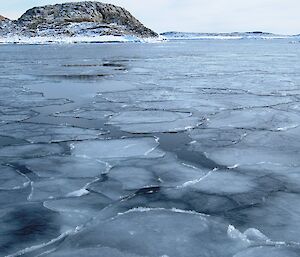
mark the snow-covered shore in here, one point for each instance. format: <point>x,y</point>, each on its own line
<point>77,39</point>
<point>85,39</point>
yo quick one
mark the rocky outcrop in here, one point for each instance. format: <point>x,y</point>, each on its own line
<point>2,18</point>
<point>76,19</point>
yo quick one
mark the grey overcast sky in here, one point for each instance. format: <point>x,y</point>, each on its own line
<point>278,16</point>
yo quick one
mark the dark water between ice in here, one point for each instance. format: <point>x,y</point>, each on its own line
<point>186,148</point>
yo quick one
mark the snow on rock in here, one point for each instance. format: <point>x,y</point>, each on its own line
<point>75,22</point>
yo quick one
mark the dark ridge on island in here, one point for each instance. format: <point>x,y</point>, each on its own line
<point>83,19</point>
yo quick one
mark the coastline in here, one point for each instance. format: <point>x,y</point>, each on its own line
<point>46,40</point>
<point>77,39</point>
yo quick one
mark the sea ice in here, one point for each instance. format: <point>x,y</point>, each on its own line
<point>268,119</point>
<point>44,133</point>
<point>89,204</point>
<point>136,117</point>
<point>16,97</point>
<point>123,181</point>
<point>8,115</point>
<point>75,211</point>
<point>274,251</point>
<point>175,174</point>
<point>31,219</point>
<point>116,86</point>
<point>260,149</point>
<point>173,232</point>
<point>94,252</point>
<point>132,178</point>
<point>206,139</point>
<point>11,178</point>
<point>232,101</point>
<point>110,188</point>
<point>228,186</point>
<point>86,114</point>
<point>12,198</point>
<point>66,166</point>
<point>49,188</point>
<point>154,121</point>
<point>194,99</point>
<point>223,182</point>
<point>118,149</point>
<point>276,217</point>
<point>30,151</point>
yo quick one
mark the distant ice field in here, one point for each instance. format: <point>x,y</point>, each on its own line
<point>182,148</point>
<point>85,37</point>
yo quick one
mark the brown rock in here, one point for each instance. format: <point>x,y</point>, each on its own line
<point>60,16</point>
<point>2,18</point>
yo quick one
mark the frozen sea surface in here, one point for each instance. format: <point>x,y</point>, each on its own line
<point>182,148</point>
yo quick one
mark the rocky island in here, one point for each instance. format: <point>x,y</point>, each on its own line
<point>2,18</point>
<point>77,21</point>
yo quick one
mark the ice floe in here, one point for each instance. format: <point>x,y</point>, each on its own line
<point>66,166</point>
<point>219,182</point>
<point>56,187</point>
<point>117,149</point>
<point>12,179</point>
<point>86,114</point>
<point>135,232</point>
<point>30,151</point>
<point>44,133</point>
<point>263,119</point>
<point>154,121</point>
